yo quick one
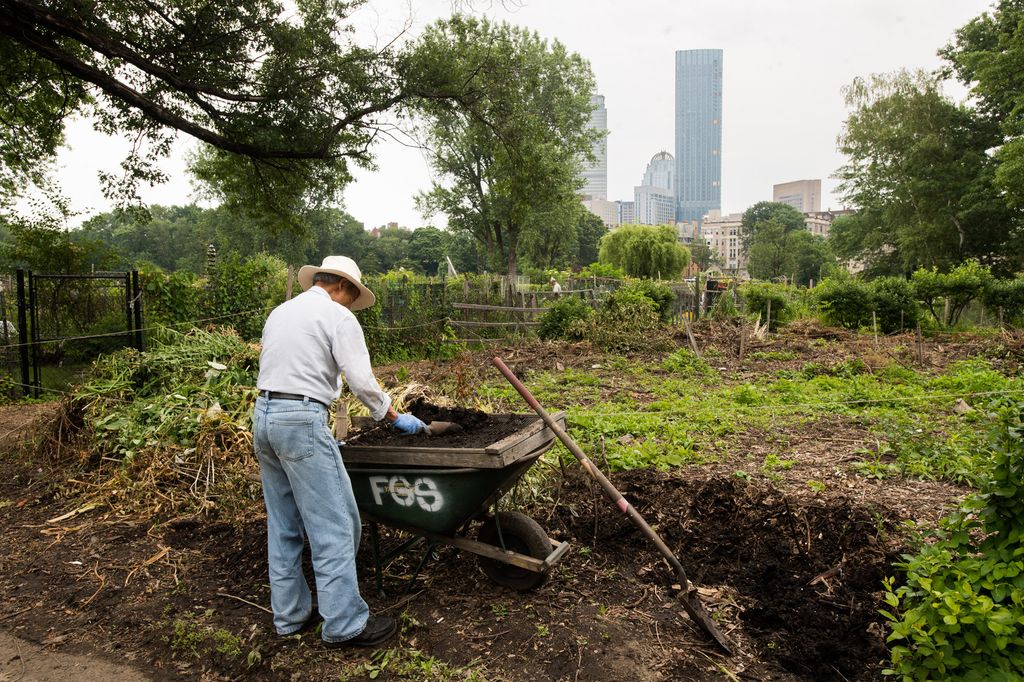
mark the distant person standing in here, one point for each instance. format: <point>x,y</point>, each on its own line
<point>556,288</point>
<point>309,342</point>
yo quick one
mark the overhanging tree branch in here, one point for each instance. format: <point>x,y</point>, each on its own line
<point>28,13</point>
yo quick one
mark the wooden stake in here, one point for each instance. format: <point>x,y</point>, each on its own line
<point>874,326</point>
<point>689,333</point>
<point>920,345</point>
<point>768,326</point>
<point>743,341</point>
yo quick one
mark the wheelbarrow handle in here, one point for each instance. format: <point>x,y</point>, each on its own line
<point>690,599</point>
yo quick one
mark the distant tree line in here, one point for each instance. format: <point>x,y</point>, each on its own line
<point>176,238</point>
<point>934,182</point>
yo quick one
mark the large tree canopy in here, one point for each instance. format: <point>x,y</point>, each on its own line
<point>762,213</point>
<point>281,94</point>
<point>512,155</point>
<point>645,251</point>
<point>988,56</point>
<point>919,173</point>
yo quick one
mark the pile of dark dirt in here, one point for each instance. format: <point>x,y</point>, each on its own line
<point>804,575</point>
<point>478,429</point>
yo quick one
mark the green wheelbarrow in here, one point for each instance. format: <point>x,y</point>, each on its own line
<point>436,494</point>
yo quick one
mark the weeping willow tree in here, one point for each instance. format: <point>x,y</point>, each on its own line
<point>645,251</point>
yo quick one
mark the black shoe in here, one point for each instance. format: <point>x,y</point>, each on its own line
<point>378,630</point>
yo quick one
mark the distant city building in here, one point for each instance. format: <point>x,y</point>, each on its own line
<point>607,211</point>
<point>688,232</point>
<point>654,205</point>
<point>803,195</point>
<point>655,197</point>
<point>595,174</point>
<point>627,212</point>
<point>661,172</point>
<point>698,119</point>
<point>820,222</point>
<point>722,234</point>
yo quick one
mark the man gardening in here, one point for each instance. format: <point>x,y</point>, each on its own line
<point>309,342</point>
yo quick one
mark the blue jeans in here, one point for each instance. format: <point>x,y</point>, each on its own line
<point>306,488</point>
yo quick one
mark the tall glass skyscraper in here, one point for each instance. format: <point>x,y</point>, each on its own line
<point>595,175</point>
<point>698,133</point>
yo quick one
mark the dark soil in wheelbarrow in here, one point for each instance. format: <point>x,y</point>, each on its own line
<point>478,429</point>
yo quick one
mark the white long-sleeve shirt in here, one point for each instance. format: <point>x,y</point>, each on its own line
<point>309,342</point>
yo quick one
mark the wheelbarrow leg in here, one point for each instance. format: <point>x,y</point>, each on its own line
<point>430,551</point>
<point>378,568</point>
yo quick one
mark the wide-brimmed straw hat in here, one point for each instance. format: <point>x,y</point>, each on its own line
<point>345,267</point>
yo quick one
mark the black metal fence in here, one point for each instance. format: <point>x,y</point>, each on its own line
<point>65,321</point>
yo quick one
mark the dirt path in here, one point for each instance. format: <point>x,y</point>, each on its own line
<point>21,660</point>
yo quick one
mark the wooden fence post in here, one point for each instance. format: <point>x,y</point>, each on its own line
<point>689,334</point>
<point>920,345</point>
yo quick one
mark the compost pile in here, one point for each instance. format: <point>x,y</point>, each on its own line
<point>479,429</point>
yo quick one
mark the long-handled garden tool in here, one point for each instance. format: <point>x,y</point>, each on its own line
<point>688,594</point>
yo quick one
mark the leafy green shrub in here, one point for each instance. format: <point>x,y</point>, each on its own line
<point>894,304</point>
<point>724,307</point>
<point>563,318</point>
<point>661,296</point>
<point>947,294</point>
<point>960,614</point>
<point>409,320</point>
<point>242,292</point>
<point>756,296</point>
<point>684,362</point>
<point>1006,295</point>
<point>170,298</point>
<point>844,301</point>
<point>605,270</point>
<point>624,322</point>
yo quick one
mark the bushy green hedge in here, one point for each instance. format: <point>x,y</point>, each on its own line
<point>624,322</point>
<point>947,294</point>
<point>844,301</point>
<point>238,293</point>
<point>605,270</point>
<point>960,614</point>
<point>566,318</point>
<point>1007,296</point>
<point>659,294</point>
<point>894,304</point>
<point>849,302</point>
<point>756,296</point>
<point>410,319</point>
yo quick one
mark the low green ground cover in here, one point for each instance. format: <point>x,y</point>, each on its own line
<point>682,411</point>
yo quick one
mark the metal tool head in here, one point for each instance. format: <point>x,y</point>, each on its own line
<point>438,428</point>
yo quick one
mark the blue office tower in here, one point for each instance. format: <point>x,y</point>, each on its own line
<point>698,133</point>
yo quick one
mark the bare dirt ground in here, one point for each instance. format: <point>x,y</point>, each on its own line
<point>792,577</point>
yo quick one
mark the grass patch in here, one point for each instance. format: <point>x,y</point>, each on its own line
<point>679,417</point>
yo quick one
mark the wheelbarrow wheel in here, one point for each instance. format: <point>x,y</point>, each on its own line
<point>520,534</point>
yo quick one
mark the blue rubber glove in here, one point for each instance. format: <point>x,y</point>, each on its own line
<point>409,424</point>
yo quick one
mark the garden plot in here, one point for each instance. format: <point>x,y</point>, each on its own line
<point>784,483</point>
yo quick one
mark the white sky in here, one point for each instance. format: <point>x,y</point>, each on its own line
<point>785,63</point>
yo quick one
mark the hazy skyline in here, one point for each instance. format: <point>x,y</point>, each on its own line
<point>785,66</point>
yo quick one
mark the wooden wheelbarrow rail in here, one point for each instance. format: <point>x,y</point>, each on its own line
<point>688,594</point>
